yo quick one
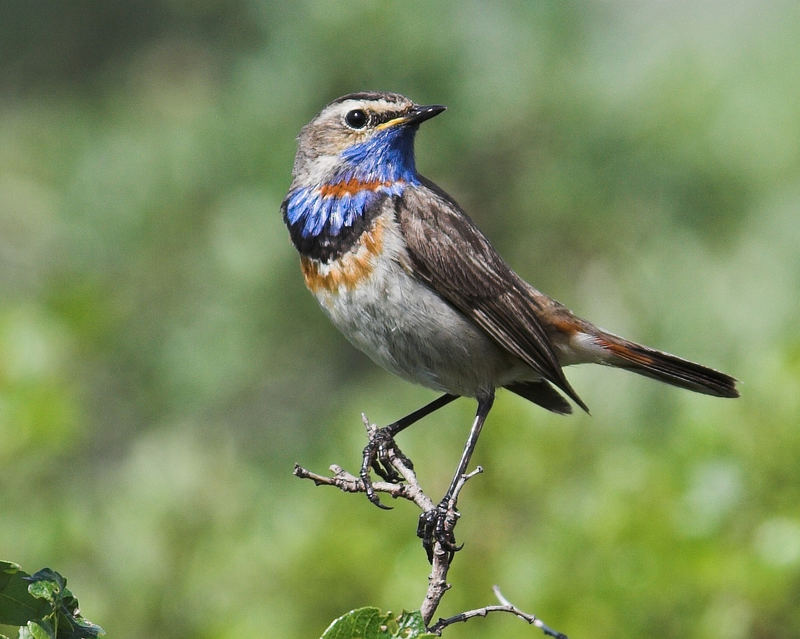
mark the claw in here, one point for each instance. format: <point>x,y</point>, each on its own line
<point>377,456</point>
<point>436,526</point>
<point>370,491</point>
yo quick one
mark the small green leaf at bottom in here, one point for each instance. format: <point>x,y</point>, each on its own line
<point>17,605</point>
<point>41,605</point>
<point>372,623</point>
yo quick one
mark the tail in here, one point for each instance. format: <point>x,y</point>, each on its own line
<point>665,367</point>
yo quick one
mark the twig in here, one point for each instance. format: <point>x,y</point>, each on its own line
<point>349,483</point>
<point>505,606</point>
<point>442,558</point>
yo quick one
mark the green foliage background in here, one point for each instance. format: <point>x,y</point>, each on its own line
<point>162,366</point>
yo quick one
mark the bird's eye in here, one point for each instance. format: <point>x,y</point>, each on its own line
<point>356,119</point>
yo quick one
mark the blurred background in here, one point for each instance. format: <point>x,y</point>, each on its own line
<point>162,366</point>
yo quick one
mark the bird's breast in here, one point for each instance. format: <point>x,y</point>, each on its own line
<point>373,297</point>
<point>351,268</point>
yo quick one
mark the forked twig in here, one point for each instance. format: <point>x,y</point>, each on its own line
<point>505,606</point>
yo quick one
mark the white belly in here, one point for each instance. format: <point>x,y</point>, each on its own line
<point>408,329</point>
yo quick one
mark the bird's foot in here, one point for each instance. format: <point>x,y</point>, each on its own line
<point>436,526</point>
<point>381,454</point>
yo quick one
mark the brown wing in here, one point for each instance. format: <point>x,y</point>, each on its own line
<point>453,257</point>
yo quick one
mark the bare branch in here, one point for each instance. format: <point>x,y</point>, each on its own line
<point>349,483</point>
<point>441,558</point>
<point>505,606</point>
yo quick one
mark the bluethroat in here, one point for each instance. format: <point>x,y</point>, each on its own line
<point>410,280</point>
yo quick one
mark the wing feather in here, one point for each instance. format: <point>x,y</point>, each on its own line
<point>453,257</point>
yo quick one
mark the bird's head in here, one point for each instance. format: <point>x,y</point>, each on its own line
<point>364,136</point>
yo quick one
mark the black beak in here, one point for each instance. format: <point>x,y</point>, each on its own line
<point>421,113</point>
<point>415,115</point>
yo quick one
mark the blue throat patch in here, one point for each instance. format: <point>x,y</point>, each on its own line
<point>383,165</point>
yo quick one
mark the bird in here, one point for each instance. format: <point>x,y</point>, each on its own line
<point>409,279</point>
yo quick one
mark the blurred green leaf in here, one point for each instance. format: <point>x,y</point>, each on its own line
<point>34,631</point>
<point>371,623</point>
<point>17,604</point>
<point>42,605</point>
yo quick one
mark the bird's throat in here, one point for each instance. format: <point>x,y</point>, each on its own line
<point>325,219</point>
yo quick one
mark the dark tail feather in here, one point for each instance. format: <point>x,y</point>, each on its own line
<point>667,368</point>
<point>543,394</point>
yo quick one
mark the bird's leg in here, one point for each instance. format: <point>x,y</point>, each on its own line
<point>381,442</point>
<point>438,524</point>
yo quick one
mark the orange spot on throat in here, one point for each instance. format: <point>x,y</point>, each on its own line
<point>351,187</point>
